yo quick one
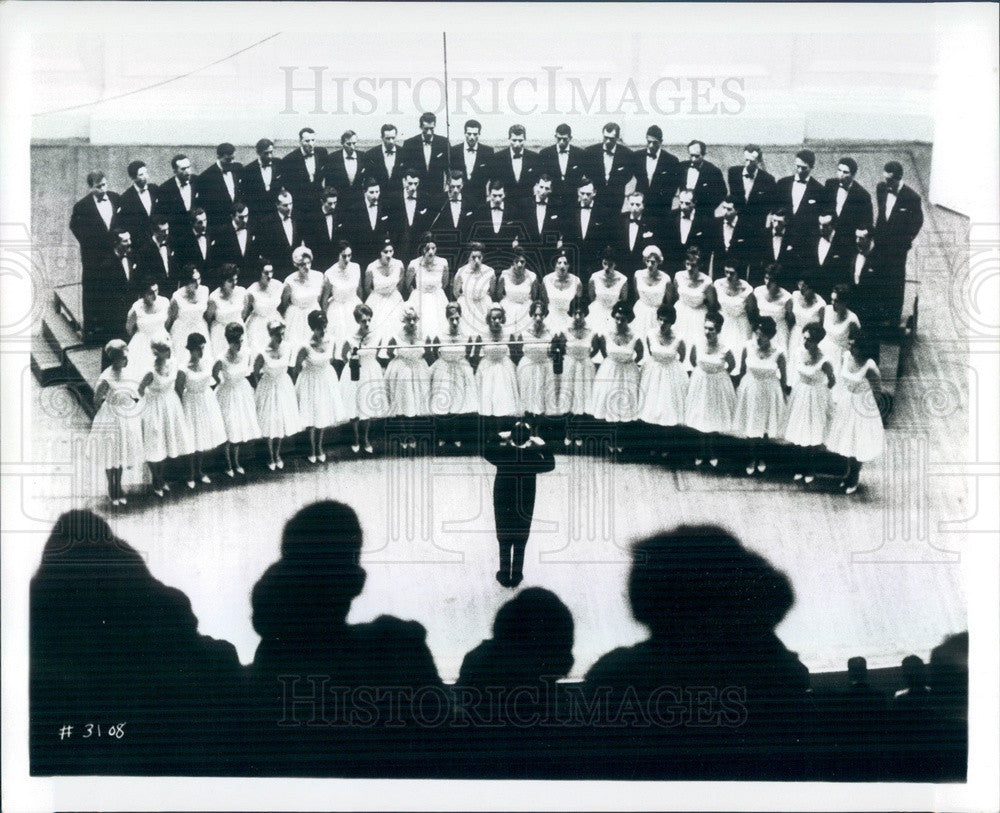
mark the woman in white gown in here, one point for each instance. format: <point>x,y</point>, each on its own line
<point>262,302</point>
<point>651,286</point>
<point>303,288</point>
<point>615,395</point>
<point>774,301</point>
<point>760,398</point>
<point>239,413</point>
<point>711,398</point>
<point>577,380</point>
<point>116,433</point>
<point>695,294</point>
<point>146,319</point>
<point>472,288</point>
<point>738,307</point>
<point>453,384</point>
<point>807,307</point>
<point>536,378</point>
<point>664,382</point>
<point>226,304</point>
<point>838,321</point>
<point>362,381</point>
<point>341,295</point>
<point>201,407</point>
<point>383,279</point>
<point>496,376</point>
<point>407,376</point>
<point>809,406</point>
<point>321,404</point>
<point>604,290</point>
<point>426,279</point>
<point>188,306</point>
<point>165,431</point>
<point>560,288</point>
<point>274,396</point>
<point>516,288</point>
<point>856,430</point>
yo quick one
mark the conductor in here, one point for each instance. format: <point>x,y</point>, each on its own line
<point>518,455</point>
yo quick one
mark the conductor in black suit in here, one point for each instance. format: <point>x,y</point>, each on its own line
<point>116,286</point>
<point>92,221</point>
<point>897,224</point>
<point>519,456</point>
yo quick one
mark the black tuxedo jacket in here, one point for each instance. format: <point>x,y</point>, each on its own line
<point>133,214</point>
<point>610,189</point>
<point>563,186</point>
<point>585,250</point>
<point>502,169</point>
<point>475,185</point>
<point>150,264</point>
<point>710,188</point>
<point>170,204</point>
<point>407,234</point>
<point>90,231</point>
<point>213,195</point>
<point>660,191</point>
<point>295,178</point>
<point>894,235</point>
<point>115,294</point>
<point>188,250</point>
<point>701,235</point>
<point>788,257</point>
<point>316,230</point>
<point>335,175</point>
<point>366,241</point>
<point>761,200</point>
<point>541,245</point>
<point>260,198</point>
<point>375,168</point>
<point>838,266</point>
<point>857,209</point>
<point>813,204</point>
<point>651,232</point>
<point>224,247</point>
<point>744,248</point>
<point>432,174</point>
<point>274,244</point>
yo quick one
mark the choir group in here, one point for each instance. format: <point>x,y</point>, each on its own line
<point>723,335</point>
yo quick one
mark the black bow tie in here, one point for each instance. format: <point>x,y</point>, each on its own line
<point>411,197</point>
<point>748,174</point>
<point>184,183</point>
<point>799,180</point>
<point>517,155</point>
<point>471,149</point>
<point>241,228</point>
<point>389,152</point>
<point>652,155</point>
<point>285,218</point>
<point>372,205</point>
<point>609,152</point>
<point>350,157</point>
<point>686,216</point>
<point>585,206</point>
<point>634,220</point>
<point>564,152</point>
<point>498,208</point>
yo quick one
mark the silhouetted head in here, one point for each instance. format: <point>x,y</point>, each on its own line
<point>540,627</point>
<point>914,672</point>
<point>949,674</point>
<point>857,669</point>
<point>697,584</point>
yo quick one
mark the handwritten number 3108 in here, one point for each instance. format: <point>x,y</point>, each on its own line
<point>117,730</point>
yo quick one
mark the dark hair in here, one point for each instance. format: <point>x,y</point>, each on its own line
<point>262,145</point>
<point>237,207</point>
<point>228,271</point>
<point>614,127</point>
<point>850,163</point>
<point>452,307</point>
<point>538,304</point>
<point>346,135</point>
<point>305,130</point>
<point>195,341</point>
<point>754,148</point>
<point>843,294</point>
<point>386,128</point>
<point>667,313</point>
<point>361,309</point>
<point>370,182</point>
<point>476,246</point>
<point>894,168</point>
<point>654,131</point>
<point>538,624</point>
<point>622,308</point>
<point>159,220</point>
<point>330,192</point>
<point>225,148</point>
<point>578,305</point>
<point>95,177</point>
<point>564,129</point>
<point>341,245</point>
<point>516,129</point>
<point>177,159</point>
<point>187,274</point>
<point>472,123</point>
<point>716,318</point>
<point>807,156</point>
<point>767,326</point>
<point>497,308</point>
<point>428,118</point>
<point>814,331</point>
<point>195,213</point>
<point>323,534</point>
<point>701,144</point>
<point>134,167</point>
<point>233,331</point>
<point>456,175</point>
<point>316,320</point>
<point>584,181</point>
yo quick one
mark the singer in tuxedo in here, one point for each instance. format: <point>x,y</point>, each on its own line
<point>610,166</point>
<point>94,218</point>
<point>116,286</point>
<point>176,198</point>
<point>543,225</point>
<point>157,259</point>
<point>752,187</point>
<point>325,229</point>
<point>261,180</point>
<point>655,173</point>
<point>586,232</point>
<point>427,153</point>
<point>137,203</point>
<point>410,214</point>
<point>473,160</point>
<point>702,177</point>
<point>779,247</point>
<point>801,195</point>
<point>453,223</point>
<point>383,163</point>
<point>898,222</point>
<point>866,279</point>
<point>830,254</point>
<point>302,171</point>
<point>497,225</point>
<point>850,201</point>
<point>345,171</point>
<point>519,456</point>
<point>515,168</point>
<point>735,239</point>
<point>371,225</point>
<point>636,230</point>
<point>564,163</point>
<point>236,242</point>
<point>219,185</point>
<point>280,235</point>
<point>686,228</point>
<point>192,243</point>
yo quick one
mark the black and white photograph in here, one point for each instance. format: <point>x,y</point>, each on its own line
<point>404,403</point>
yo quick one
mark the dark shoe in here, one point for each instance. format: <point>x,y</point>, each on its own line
<point>502,578</point>
<point>516,580</point>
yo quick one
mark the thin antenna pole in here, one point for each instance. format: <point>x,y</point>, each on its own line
<point>447,111</point>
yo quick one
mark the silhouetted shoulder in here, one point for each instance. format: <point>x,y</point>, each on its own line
<point>397,651</point>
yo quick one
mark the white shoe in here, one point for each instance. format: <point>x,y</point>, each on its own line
<point>240,470</point>
<point>369,449</point>
<point>322,457</point>
<point>271,466</point>
<point>578,441</point>
<point>440,444</point>
<point>158,492</point>
<point>280,463</point>
<point>751,469</point>
<point>458,444</point>
<point>567,442</point>
<point>191,484</point>
<point>761,466</point>
<point>851,489</point>
<point>230,474</point>
<point>714,462</point>
<point>697,461</point>
<point>797,477</point>
<point>115,503</point>
<point>355,448</point>
<point>809,478</point>
<point>311,458</point>
<point>166,486</point>
<point>206,479</point>
<point>122,501</point>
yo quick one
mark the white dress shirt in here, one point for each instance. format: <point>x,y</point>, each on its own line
<point>798,191</point>
<point>164,255</point>
<point>106,210</point>
<point>776,241</point>
<point>728,230</point>
<point>497,217</point>
<point>841,198</point>
<point>411,207</point>
<point>651,161</point>
<point>686,223</point>
<point>372,214</point>
<point>266,175</point>
<point>633,233</point>
<point>227,177</point>
<point>563,159</point>
<point>584,220</point>
<point>470,160</point>
<point>241,240</point>
<point>144,196</point>
<point>427,154</point>
<point>127,268</point>
<point>203,245</point>
<point>824,249</point>
<point>456,210</point>
<point>390,161</point>
<point>311,166</point>
<point>890,202</point>
<point>329,225</point>
<point>859,264</point>
<point>540,210</point>
<point>517,161</point>
<point>185,194</point>
<point>748,185</point>
<point>286,226</point>
<point>692,178</point>
<point>351,166</point>
<point>609,160</point>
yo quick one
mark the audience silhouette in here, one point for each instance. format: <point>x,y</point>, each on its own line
<point>711,694</point>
